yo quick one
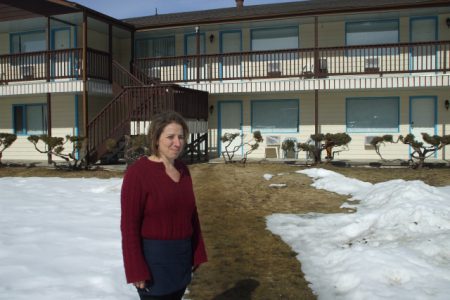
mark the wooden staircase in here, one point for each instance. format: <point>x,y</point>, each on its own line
<point>139,100</point>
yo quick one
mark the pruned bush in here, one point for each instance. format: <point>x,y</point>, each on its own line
<point>230,151</point>
<point>420,150</point>
<point>6,140</point>
<point>74,158</point>
<point>320,142</point>
<point>135,147</point>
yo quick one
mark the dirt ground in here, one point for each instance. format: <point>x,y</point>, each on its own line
<point>246,261</point>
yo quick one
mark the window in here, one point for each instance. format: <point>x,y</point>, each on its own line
<point>372,114</point>
<point>191,44</point>
<point>372,33</point>
<point>275,116</point>
<point>155,47</point>
<point>30,119</point>
<point>274,39</point>
<point>28,42</point>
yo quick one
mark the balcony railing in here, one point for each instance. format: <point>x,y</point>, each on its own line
<point>50,65</point>
<point>303,63</point>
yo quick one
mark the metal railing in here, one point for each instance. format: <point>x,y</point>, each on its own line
<point>303,63</point>
<point>55,64</point>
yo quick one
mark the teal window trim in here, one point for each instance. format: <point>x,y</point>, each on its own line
<point>24,131</point>
<point>364,131</point>
<point>268,131</point>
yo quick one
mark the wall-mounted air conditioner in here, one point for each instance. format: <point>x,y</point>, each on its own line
<point>273,69</point>
<point>154,73</point>
<point>27,72</point>
<point>367,140</point>
<point>371,64</point>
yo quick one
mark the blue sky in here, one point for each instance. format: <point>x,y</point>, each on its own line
<point>121,9</point>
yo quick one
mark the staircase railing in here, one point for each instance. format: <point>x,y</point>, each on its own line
<point>135,101</point>
<point>132,104</point>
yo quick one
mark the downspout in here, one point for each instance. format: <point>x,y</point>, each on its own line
<point>49,97</point>
<point>132,54</point>
<point>85,92</point>
<point>197,38</point>
<point>316,75</point>
<point>110,52</point>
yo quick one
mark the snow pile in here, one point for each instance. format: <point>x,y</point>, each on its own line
<point>60,239</point>
<point>395,246</point>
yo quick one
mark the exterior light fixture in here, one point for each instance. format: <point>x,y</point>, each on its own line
<point>211,109</point>
<point>446,104</point>
<point>447,21</point>
<point>211,38</point>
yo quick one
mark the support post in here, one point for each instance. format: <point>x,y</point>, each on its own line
<point>316,47</point>
<point>85,92</point>
<point>316,114</point>
<point>197,37</point>
<point>49,122</point>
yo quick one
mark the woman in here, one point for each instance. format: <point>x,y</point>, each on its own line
<point>161,237</point>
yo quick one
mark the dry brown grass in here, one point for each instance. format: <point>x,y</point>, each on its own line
<point>20,171</point>
<point>246,261</point>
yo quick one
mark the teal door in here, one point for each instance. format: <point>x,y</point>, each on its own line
<point>229,121</point>
<point>423,116</point>
<point>190,62</point>
<point>423,58</point>
<point>61,60</point>
<point>230,65</point>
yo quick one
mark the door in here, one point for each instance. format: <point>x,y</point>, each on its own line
<point>190,63</point>
<point>423,58</point>
<point>423,116</point>
<point>230,121</point>
<point>61,60</point>
<point>230,65</point>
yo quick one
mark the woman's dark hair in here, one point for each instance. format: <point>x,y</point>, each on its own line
<point>159,122</point>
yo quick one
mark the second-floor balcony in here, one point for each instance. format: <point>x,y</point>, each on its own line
<point>54,65</point>
<point>374,60</point>
<point>407,58</point>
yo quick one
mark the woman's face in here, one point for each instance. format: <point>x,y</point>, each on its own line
<point>171,141</point>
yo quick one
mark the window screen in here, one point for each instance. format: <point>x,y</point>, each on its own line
<point>275,115</point>
<point>372,114</point>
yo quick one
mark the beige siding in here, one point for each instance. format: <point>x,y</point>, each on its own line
<point>4,43</point>
<point>63,123</point>
<point>443,30</point>
<point>96,104</point>
<point>331,34</point>
<point>122,51</point>
<point>98,40</point>
<point>332,119</point>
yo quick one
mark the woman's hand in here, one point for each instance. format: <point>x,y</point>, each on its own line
<point>139,284</point>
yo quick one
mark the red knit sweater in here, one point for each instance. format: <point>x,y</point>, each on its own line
<point>156,207</point>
